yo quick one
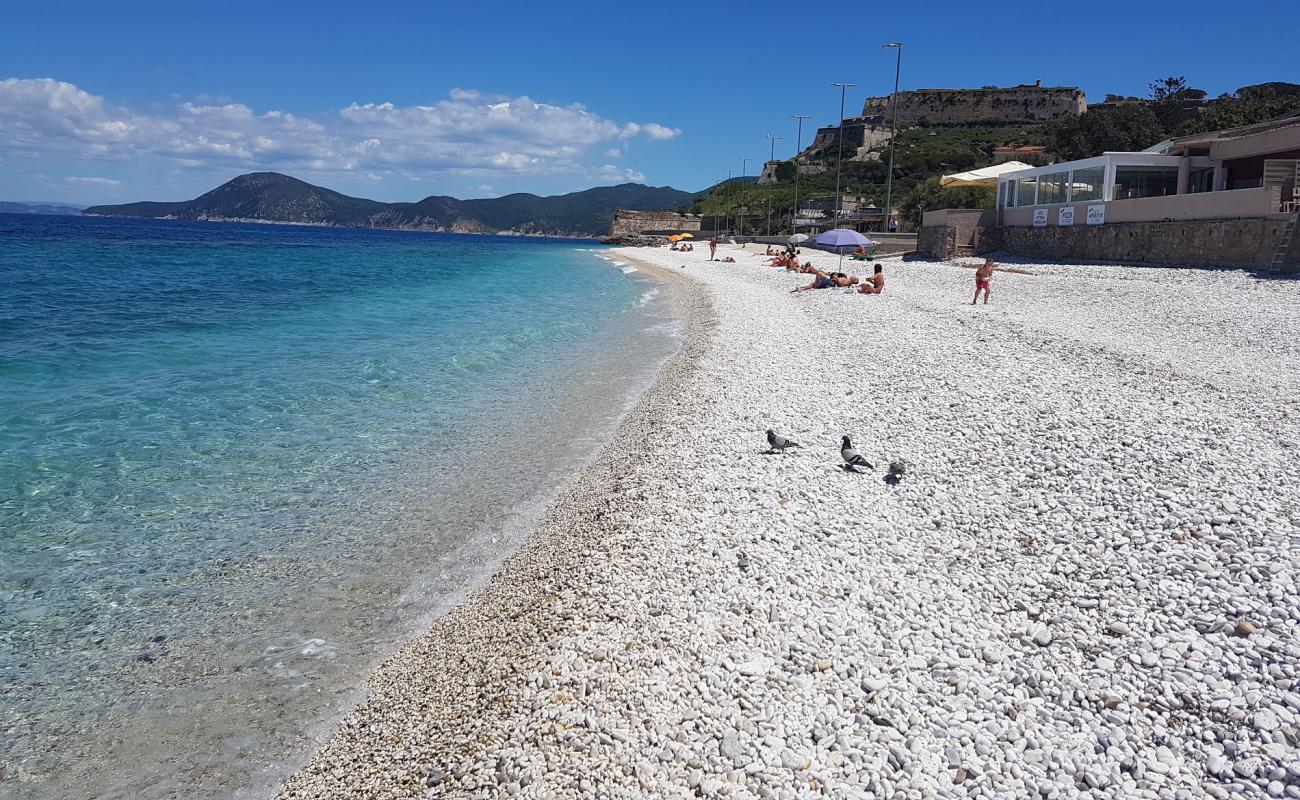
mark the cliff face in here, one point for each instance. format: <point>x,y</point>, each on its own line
<point>271,197</point>
<point>1045,103</point>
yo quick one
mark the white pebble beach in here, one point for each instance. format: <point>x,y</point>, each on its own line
<point>1085,585</point>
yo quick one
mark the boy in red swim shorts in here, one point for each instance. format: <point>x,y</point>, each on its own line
<point>982,277</point>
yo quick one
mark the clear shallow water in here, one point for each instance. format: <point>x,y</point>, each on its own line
<point>228,451</point>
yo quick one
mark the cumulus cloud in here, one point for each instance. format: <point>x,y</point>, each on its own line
<point>107,183</point>
<point>470,132</point>
<point>612,174</point>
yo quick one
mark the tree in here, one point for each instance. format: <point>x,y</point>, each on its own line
<point>785,171</point>
<point>1170,88</point>
<point>1125,128</point>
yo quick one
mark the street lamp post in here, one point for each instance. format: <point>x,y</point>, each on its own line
<point>839,158</point>
<point>772,139</point>
<point>798,148</point>
<point>893,133</point>
<point>744,167</point>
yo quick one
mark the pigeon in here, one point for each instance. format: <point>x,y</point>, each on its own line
<point>777,443</point>
<point>852,458</point>
<point>897,469</point>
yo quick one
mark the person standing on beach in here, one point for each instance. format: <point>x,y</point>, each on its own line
<point>982,277</point>
<point>713,247</point>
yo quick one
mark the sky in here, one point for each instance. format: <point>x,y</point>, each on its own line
<point>117,102</point>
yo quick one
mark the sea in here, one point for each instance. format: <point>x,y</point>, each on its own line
<point>239,463</point>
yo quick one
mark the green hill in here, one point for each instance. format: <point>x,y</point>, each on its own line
<point>272,197</point>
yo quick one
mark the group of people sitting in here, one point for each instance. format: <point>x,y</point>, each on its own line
<point>831,280</point>
<point>682,247</point>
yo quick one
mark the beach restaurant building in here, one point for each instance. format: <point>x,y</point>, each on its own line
<point>1247,172</point>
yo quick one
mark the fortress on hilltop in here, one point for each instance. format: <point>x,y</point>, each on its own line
<point>1028,101</point>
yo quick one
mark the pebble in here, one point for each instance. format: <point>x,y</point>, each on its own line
<point>1084,587</point>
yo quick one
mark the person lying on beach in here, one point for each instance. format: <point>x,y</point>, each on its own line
<point>825,280</point>
<point>983,276</point>
<point>769,251</point>
<point>875,284</point>
<point>728,260</point>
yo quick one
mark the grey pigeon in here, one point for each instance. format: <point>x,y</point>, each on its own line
<point>852,458</point>
<point>778,443</point>
<point>897,469</point>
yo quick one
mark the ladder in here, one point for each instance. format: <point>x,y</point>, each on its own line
<point>1287,241</point>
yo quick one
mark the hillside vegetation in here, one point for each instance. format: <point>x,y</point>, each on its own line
<point>924,153</point>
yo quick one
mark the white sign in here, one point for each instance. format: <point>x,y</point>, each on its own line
<point>1040,218</point>
<point>1066,217</point>
<point>1096,215</point>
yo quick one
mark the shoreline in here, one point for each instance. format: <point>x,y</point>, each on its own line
<point>452,639</point>
<point>1081,588</point>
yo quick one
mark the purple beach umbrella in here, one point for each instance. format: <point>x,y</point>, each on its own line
<point>842,237</point>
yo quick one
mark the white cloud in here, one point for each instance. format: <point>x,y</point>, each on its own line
<point>656,131</point>
<point>468,133</point>
<point>612,174</point>
<point>90,181</point>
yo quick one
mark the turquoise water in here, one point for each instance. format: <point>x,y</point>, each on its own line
<point>228,452</point>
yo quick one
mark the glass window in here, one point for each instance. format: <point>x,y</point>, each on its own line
<point>1025,188</point>
<point>1201,180</point>
<point>1052,187</point>
<point>1134,182</point>
<point>1087,184</point>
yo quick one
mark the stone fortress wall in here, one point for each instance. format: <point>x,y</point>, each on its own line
<point>1048,103</point>
<point>633,223</point>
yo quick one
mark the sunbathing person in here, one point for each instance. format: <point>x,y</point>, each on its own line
<point>825,280</point>
<point>875,284</point>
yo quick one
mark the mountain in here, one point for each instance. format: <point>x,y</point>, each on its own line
<point>272,197</point>
<point>7,207</point>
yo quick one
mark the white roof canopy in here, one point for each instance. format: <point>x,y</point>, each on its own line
<point>984,176</point>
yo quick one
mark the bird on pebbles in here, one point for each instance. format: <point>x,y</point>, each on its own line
<point>776,443</point>
<point>897,469</point>
<point>852,458</point>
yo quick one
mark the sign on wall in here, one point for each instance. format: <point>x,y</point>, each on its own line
<point>1066,217</point>
<point>1040,218</point>
<point>1096,215</point>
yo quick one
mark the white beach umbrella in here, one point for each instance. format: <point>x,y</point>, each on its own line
<point>984,176</point>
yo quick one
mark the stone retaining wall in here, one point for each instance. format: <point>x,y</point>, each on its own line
<point>1228,242</point>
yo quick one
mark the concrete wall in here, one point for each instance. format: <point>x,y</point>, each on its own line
<point>952,232</point>
<point>972,105</point>
<point>1231,242</point>
<point>632,223</point>
<point>1235,204</point>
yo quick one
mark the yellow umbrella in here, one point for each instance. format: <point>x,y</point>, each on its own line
<point>675,238</point>
<point>686,236</point>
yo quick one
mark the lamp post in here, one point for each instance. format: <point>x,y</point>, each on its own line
<point>772,139</point>
<point>798,148</point>
<point>839,158</point>
<point>893,133</point>
<point>744,167</point>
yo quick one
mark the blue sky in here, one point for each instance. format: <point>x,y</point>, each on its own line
<point>113,102</point>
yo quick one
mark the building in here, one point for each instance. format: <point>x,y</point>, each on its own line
<point>1027,154</point>
<point>1239,172</point>
<point>1027,101</point>
<point>858,213</point>
<point>1225,197</point>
